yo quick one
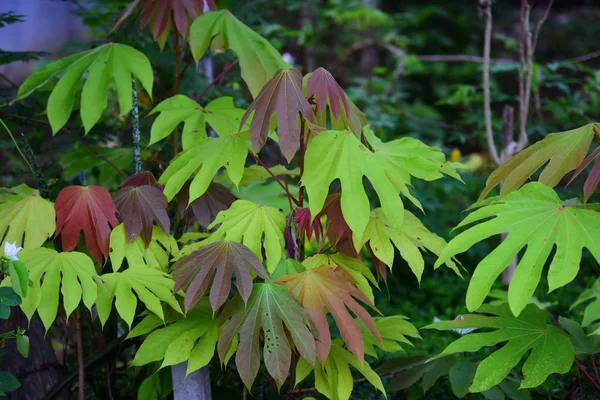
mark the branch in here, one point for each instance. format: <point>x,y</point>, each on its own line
<point>585,57</point>
<point>80,362</point>
<point>284,187</point>
<point>212,83</point>
<point>486,8</point>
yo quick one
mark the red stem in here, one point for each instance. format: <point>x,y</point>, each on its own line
<point>595,368</point>
<point>284,187</point>
<point>212,83</point>
<point>579,365</point>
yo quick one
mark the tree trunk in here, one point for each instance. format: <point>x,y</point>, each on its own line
<point>195,387</point>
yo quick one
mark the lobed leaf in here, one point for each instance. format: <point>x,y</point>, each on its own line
<point>150,285</point>
<point>591,313</point>
<point>220,114</point>
<point>256,227</point>
<point>192,339</point>
<point>340,155</point>
<point>535,218</point>
<point>217,198</point>
<point>281,97</point>
<point>214,266</point>
<point>155,255</point>
<point>551,350</point>
<point>73,273</point>
<point>222,31</point>
<point>331,288</point>
<point>272,310</point>
<point>139,207</point>
<point>563,152</point>
<point>106,63</point>
<point>203,161</point>
<point>26,218</point>
<point>89,209</point>
<point>410,239</point>
<point>333,377</point>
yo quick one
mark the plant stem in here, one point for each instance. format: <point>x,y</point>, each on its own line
<point>16,145</point>
<point>595,368</point>
<point>137,157</point>
<point>80,362</point>
<point>301,237</point>
<point>284,187</point>
<point>579,365</point>
<point>217,78</point>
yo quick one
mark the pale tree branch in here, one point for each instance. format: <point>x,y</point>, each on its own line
<point>486,11</point>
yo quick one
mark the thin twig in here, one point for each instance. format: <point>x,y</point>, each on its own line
<point>284,187</point>
<point>9,81</point>
<point>585,57</point>
<point>486,8</point>
<point>273,385</point>
<point>80,361</point>
<point>109,162</point>
<point>17,146</point>
<point>595,368</point>
<point>218,77</point>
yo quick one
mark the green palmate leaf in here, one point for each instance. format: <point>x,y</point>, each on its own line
<point>204,160</point>
<point>280,100</point>
<point>222,259</point>
<point>461,377</point>
<point>256,227</point>
<point>150,285</point>
<point>333,378</point>
<point>359,271</point>
<point>273,310</point>
<point>410,239</point>
<point>106,63</point>
<point>192,339</point>
<point>340,155</point>
<point>393,331</point>
<point>408,370</point>
<point>28,222</point>
<point>222,31</point>
<point>220,114</point>
<point>73,273</point>
<point>591,313</point>
<point>8,197</point>
<point>158,386</point>
<point>156,255</point>
<point>562,151</point>
<point>535,218</point>
<point>582,343</point>
<point>8,298</point>
<point>551,349</point>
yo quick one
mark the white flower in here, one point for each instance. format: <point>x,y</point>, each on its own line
<point>11,250</point>
<point>459,331</point>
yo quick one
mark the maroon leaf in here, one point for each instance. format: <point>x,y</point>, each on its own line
<point>307,225</point>
<point>326,90</point>
<point>139,207</point>
<point>222,260</point>
<point>158,14</point>
<point>339,233</point>
<point>89,209</point>
<point>290,243</point>
<point>282,96</point>
<point>591,182</point>
<point>141,179</point>
<point>217,198</point>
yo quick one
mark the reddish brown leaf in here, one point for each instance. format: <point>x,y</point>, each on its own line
<point>222,260</point>
<point>89,209</point>
<point>332,288</point>
<point>591,182</point>
<point>307,225</point>
<point>140,207</point>
<point>217,198</point>
<point>380,266</point>
<point>339,233</point>
<point>326,90</point>
<point>282,96</point>
<point>141,179</point>
<point>161,14</point>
